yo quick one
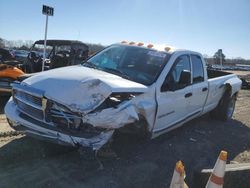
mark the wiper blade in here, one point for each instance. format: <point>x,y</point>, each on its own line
<point>89,64</point>
<point>124,75</point>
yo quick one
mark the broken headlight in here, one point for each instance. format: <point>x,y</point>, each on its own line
<point>115,99</point>
<point>69,121</point>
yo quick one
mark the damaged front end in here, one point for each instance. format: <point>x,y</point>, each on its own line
<point>89,124</point>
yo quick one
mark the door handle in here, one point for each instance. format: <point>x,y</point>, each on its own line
<point>188,95</point>
<point>204,89</point>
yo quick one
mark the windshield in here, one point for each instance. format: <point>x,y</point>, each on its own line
<point>138,64</point>
<point>38,49</point>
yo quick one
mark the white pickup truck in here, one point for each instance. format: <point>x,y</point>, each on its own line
<point>148,90</point>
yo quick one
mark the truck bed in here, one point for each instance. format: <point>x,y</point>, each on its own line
<point>216,83</point>
<point>216,73</point>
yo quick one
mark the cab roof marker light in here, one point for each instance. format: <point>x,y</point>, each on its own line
<point>150,46</point>
<point>140,44</point>
<point>167,48</point>
<point>132,43</point>
<point>124,42</point>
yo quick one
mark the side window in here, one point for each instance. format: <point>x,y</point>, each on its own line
<point>198,71</point>
<point>173,80</point>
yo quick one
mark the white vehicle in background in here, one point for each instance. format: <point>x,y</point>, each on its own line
<point>130,87</point>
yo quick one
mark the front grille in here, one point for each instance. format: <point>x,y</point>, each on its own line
<point>28,102</point>
<point>36,113</point>
<point>28,97</point>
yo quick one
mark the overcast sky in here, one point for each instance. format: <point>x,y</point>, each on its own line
<point>200,25</point>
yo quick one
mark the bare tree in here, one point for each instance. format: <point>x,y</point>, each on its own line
<point>1,43</point>
<point>218,56</point>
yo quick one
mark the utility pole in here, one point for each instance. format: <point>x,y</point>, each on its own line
<point>48,11</point>
<point>220,53</point>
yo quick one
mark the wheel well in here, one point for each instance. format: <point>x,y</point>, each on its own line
<point>138,127</point>
<point>228,89</point>
<point>220,112</point>
<point>226,94</point>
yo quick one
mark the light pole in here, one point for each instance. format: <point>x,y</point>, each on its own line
<point>48,11</point>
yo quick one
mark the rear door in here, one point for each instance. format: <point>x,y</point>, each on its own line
<point>199,83</point>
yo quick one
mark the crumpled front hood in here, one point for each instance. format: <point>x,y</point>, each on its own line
<point>81,88</point>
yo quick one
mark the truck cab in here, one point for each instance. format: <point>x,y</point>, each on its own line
<point>181,90</point>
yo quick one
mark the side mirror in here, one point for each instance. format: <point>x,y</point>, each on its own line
<point>165,86</point>
<point>185,78</point>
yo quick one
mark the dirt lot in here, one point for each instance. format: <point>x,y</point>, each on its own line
<point>26,162</point>
<point>240,73</point>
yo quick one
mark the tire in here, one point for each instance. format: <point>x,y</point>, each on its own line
<point>224,111</point>
<point>137,129</point>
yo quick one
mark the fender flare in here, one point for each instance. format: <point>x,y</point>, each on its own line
<point>232,85</point>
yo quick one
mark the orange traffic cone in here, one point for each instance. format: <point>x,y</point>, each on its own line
<point>178,176</point>
<point>216,179</point>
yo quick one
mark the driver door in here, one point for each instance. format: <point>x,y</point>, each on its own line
<point>173,99</point>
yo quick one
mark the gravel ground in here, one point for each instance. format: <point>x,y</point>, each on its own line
<point>27,162</point>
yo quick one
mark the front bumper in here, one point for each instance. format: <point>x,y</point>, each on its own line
<point>29,128</point>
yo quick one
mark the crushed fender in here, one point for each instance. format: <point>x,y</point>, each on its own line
<point>113,118</point>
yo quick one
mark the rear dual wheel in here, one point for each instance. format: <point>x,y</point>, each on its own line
<point>224,111</point>
<point>230,107</point>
